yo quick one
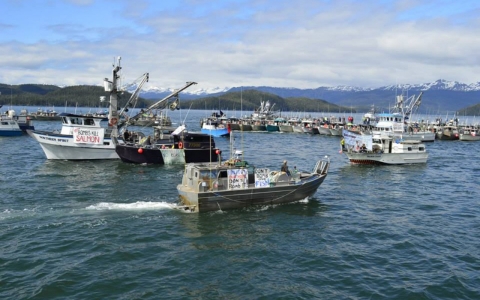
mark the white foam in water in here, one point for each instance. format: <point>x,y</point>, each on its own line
<point>139,205</point>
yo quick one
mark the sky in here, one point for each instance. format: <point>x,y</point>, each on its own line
<point>230,43</point>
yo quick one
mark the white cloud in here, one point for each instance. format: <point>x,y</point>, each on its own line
<point>305,44</point>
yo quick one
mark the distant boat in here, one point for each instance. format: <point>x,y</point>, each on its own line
<point>24,122</point>
<point>469,134</point>
<point>9,127</point>
<point>274,125</point>
<point>394,124</point>
<point>45,115</point>
<point>214,126</point>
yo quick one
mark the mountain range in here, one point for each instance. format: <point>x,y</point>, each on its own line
<point>439,97</point>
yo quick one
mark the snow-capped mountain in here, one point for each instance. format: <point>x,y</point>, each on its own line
<point>438,95</point>
<point>158,92</point>
<point>192,93</point>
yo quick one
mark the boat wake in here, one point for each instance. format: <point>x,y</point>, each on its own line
<point>139,205</point>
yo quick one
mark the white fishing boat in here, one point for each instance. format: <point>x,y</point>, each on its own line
<point>393,124</point>
<point>237,184</point>
<point>469,134</point>
<point>85,137</point>
<point>9,127</point>
<point>382,149</point>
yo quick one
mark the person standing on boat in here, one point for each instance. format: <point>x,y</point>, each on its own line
<point>285,168</point>
<point>126,135</point>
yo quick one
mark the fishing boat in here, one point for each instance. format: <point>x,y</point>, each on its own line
<point>393,124</point>
<point>9,127</point>
<point>214,125</point>
<point>23,120</point>
<point>85,137</point>
<point>237,184</point>
<point>274,125</point>
<point>382,149</point>
<point>448,133</point>
<point>45,115</point>
<point>469,133</point>
<point>168,147</point>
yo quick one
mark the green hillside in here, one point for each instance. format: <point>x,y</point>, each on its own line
<point>50,95</point>
<point>250,100</point>
<point>473,110</point>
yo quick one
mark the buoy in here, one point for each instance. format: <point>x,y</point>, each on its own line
<point>140,150</point>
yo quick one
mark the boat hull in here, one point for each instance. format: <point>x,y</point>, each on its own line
<point>168,156</point>
<point>272,128</point>
<point>60,146</point>
<point>425,136</point>
<point>259,128</point>
<point>246,127</point>
<point>469,137</point>
<point>10,132</point>
<point>285,128</point>
<point>234,199</point>
<point>387,158</point>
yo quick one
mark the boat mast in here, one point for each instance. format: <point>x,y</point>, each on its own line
<point>162,101</point>
<point>111,86</point>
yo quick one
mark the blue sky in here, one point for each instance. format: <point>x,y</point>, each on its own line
<point>283,43</point>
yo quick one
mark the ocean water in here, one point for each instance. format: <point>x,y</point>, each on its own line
<point>110,230</point>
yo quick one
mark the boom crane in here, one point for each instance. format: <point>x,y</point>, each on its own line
<point>161,102</point>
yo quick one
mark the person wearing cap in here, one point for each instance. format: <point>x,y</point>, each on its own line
<point>285,168</point>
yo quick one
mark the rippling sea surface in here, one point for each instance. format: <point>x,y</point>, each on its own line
<point>110,230</point>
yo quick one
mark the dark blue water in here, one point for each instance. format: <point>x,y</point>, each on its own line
<point>109,230</point>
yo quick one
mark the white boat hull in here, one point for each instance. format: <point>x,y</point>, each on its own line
<point>58,146</point>
<point>387,158</point>
<point>324,130</point>
<point>469,137</point>
<point>425,136</point>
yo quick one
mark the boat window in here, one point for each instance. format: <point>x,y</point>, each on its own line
<point>206,174</point>
<point>89,121</point>
<point>421,148</point>
<point>409,148</point>
<point>222,174</point>
<point>4,123</point>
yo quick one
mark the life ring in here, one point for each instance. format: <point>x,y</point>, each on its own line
<point>180,145</point>
<point>113,121</point>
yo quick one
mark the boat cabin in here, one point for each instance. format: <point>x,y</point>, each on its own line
<point>383,144</point>
<point>69,121</point>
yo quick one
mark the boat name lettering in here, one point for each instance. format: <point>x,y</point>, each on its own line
<point>48,138</point>
<point>194,145</point>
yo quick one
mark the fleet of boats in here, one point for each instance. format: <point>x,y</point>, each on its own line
<point>208,182</point>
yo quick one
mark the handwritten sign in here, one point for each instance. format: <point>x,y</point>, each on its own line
<point>237,178</point>
<point>261,177</point>
<point>88,136</point>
